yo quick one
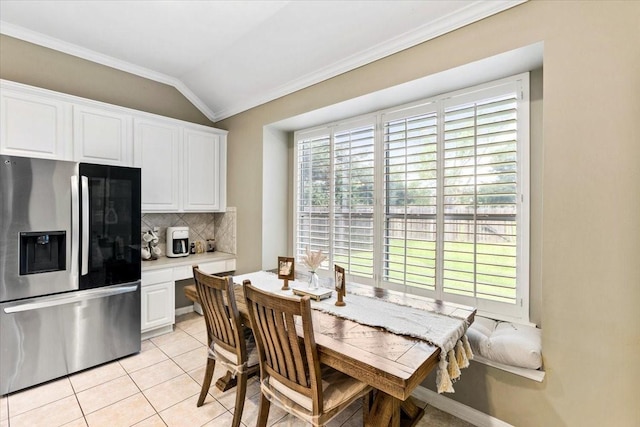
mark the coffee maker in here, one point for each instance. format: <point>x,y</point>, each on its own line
<point>177,241</point>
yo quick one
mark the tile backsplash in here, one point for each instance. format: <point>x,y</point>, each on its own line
<point>202,226</point>
<point>225,226</point>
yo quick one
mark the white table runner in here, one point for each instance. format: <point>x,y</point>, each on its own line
<point>440,330</point>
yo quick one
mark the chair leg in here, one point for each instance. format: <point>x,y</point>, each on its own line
<point>263,412</point>
<point>241,392</point>
<point>206,383</point>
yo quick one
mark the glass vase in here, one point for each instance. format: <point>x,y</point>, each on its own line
<point>313,280</point>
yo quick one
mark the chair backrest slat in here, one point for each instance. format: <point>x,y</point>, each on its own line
<point>287,363</point>
<point>300,368</point>
<point>225,328</point>
<point>261,316</point>
<point>278,353</point>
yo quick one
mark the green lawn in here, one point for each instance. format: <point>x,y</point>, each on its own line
<point>495,263</point>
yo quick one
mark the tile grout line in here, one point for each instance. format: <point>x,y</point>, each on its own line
<point>180,326</point>
<point>143,395</point>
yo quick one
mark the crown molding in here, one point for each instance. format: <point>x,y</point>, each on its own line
<point>473,12</point>
<point>109,61</point>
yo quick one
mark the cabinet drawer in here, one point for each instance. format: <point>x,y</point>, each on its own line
<point>182,272</point>
<point>214,267</point>
<point>157,276</point>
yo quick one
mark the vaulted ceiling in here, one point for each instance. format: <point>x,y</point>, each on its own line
<point>229,56</point>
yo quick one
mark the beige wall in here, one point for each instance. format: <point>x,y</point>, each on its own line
<point>588,211</point>
<point>39,66</point>
<point>587,267</point>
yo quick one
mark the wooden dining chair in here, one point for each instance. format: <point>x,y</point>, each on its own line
<point>291,375</point>
<point>230,343</point>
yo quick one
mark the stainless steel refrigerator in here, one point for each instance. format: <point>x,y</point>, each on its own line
<point>69,268</point>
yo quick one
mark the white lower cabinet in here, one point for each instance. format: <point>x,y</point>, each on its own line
<point>158,302</point>
<point>158,292</point>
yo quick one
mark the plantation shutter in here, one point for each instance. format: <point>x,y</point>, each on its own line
<point>353,220</point>
<point>313,194</point>
<point>410,182</point>
<point>480,192</point>
<point>429,198</point>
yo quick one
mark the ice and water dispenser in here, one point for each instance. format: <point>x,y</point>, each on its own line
<point>42,251</point>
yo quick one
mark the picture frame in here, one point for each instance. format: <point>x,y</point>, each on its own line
<point>286,270</point>
<point>340,284</point>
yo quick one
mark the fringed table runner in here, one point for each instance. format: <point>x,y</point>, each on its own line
<point>445,332</point>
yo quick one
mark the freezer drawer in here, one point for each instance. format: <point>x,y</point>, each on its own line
<point>48,337</point>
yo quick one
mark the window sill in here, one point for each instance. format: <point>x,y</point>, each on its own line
<point>532,374</point>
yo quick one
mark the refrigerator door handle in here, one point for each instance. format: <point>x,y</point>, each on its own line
<point>85,225</point>
<point>58,300</point>
<point>75,227</point>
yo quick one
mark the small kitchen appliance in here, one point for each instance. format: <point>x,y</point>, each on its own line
<point>177,241</point>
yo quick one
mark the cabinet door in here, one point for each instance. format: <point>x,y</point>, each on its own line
<point>201,172</point>
<point>102,136</point>
<point>35,126</point>
<point>158,305</point>
<point>157,151</point>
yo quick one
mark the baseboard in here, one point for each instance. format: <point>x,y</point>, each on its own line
<point>184,310</point>
<point>156,332</point>
<point>188,309</point>
<point>457,409</point>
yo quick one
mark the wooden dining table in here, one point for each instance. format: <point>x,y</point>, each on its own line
<point>392,364</point>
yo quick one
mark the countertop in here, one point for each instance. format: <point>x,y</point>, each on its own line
<point>166,262</point>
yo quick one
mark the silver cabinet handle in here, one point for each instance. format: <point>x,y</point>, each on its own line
<point>57,300</point>
<point>85,225</point>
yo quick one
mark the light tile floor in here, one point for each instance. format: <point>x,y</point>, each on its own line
<point>157,387</point>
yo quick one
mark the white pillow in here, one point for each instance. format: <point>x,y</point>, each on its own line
<point>479,334</point>
<point>516,345</point>
<point>508,343</point>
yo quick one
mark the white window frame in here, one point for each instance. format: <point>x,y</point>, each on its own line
<point>518,312</point>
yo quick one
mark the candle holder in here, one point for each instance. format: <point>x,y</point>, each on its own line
<point>340,285</point>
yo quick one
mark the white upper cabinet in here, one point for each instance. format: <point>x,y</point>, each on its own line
<point>157,150</point>
<point>204,172</point>
<point>103,136</point>
<point>34,126</point>
<point>184,165</point>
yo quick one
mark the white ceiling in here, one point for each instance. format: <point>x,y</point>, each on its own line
<point>229,56</point>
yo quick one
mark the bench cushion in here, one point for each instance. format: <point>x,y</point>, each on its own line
<point>508,343</point>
